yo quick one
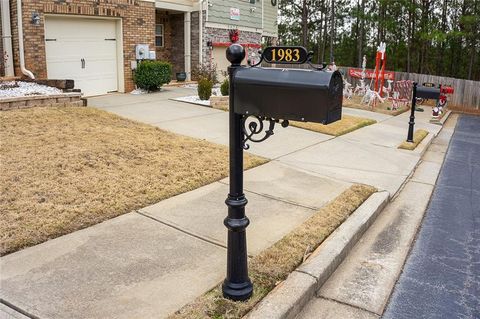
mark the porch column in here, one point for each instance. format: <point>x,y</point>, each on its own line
<point>188,44</point>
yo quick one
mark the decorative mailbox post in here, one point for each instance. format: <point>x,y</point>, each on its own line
<point>421,92</point>
<point>273,95</point>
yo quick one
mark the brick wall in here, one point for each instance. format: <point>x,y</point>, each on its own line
<point>138,23</point>
<point>164,53</point>
<point>173,49</point>
<point>178,43</point>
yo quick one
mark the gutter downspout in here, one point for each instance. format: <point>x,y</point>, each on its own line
<point>20,42</point>
<point>7,55</point>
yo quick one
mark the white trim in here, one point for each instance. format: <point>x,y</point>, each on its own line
<point>228,27</point>
<point>200,32</point>
<point>206,11</point>
<point>268,34</point>
<point>187,29</point>
<point>7,39</point>
<point>120,57</point>
<point>263,11</point>
<point>161,35</point>
<point>174,6</point>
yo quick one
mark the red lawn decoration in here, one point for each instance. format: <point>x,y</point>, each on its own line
<point>234,35</point>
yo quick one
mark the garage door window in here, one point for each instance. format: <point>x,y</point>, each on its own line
<point>159,35</point>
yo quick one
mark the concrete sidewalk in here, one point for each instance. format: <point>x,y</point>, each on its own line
<point>151,262</point>
<point>362,284</point>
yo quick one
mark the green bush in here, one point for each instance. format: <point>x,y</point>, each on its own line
<point>151,75</point>
<point>225,87</point>
<point>205,88</point>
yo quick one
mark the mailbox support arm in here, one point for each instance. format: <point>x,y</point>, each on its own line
<point>411,123</point>
<point>237,285</point>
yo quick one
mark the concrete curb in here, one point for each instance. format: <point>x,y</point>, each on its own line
<point>425,144</point>
<point>289,298</point>
<point>442,120</point>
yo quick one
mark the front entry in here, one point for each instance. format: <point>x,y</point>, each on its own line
<point>85,50</point>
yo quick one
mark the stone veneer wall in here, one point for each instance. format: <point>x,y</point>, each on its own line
<point>59,100</point>
<point>2,54</point>
<point>195,19</point>
<point>221,35</point>
<point>138,23</point>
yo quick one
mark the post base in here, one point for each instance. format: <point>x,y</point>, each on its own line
<point>237,291</point>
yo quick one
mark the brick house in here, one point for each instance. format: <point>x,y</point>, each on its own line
<point>94,41</point>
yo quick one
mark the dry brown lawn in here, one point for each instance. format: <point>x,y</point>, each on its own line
<point>418,137</point>
<point>384,108</point>
<point>274,264</point>
<point>63,169</point>
<point>346,125</point>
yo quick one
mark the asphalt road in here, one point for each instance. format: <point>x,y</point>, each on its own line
<point>441,278</point>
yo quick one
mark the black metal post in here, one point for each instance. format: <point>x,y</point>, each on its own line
<point>237,284</point>
<point>411,124</point>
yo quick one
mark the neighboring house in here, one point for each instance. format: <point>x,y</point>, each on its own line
<point>94,41</point>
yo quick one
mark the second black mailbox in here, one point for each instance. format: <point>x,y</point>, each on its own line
<point>289,94</point>
<point>429,93</point>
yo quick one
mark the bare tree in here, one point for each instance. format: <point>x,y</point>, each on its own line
<point>361,30</point>
<point>332,31</point>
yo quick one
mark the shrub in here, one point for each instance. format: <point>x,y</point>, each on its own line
<point>225,87</point>
<point>151,75</point>
<point>205,88</point>
<point>205,71</point>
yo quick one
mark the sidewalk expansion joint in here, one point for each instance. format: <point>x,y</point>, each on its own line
<point>17,309</point>
<point>184,118</point>
<point>182,230</point>
<point>303,148</point>
<point>349,305</point>
<point>277,199</point>
<point>419,182</point>
<point>306,273</point>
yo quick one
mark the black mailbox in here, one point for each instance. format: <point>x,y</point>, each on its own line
<point>429,93</point>
<point>289,94</point>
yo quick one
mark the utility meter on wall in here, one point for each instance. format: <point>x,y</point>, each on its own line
<point>142,51</point>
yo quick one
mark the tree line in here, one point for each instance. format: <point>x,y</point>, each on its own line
<point>438,37</point>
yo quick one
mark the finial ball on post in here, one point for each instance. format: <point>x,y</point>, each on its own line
<point>235,54</point>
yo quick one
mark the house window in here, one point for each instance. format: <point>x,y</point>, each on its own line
<point>159,35</point>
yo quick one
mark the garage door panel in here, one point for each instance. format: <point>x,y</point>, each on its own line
<point>220,60</point>
<point>71,39</point>
<point>68,28</point>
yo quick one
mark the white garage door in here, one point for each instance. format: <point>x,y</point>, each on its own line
<point>84,50</point>
<point>219,58</point>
